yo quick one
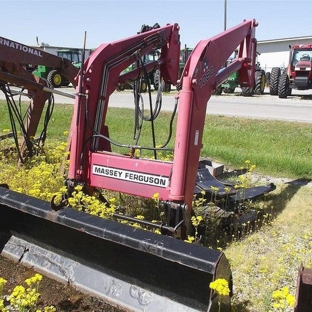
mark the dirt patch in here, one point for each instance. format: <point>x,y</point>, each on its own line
<point>62,296</point>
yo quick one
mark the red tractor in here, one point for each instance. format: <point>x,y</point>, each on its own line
<point>297,75</point>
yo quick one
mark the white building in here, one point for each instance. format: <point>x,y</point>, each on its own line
<point>53,50</point>
<point>275,52</point>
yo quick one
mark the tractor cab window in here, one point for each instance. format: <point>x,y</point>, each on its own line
<point>152,56</point>
<point>73,57</point>
<point>302,55</point>
<point>232,57</point>
<point>184,55</point>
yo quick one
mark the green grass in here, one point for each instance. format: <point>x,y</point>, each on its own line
<point>272,255</point>
<point>277,148</point>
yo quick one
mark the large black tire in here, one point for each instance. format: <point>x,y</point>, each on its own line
<point>158,82</point>
<point>228,90</point>
<point>247,91</point>
<point>167,87</point>
<point>156,79</point>
<point>259,82</point>
<point>218,91</point>
<point>274,79</point>
<point>267,78</point>
<point>55,79</point>
<point>283,86</point>
<point>121,87</point>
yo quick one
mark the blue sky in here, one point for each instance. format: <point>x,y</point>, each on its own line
<point>63,23</point>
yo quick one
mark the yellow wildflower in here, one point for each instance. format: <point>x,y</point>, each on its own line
<point>282,298</point>
<point>140,217</point>
<point>155,196</point>
<point>189,239</point>
<point>220,286</point>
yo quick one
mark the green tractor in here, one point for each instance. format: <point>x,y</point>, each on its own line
<point>143,84</point>
<point>153,77</point>
<point>229,85</point>
<point>184,55</point>
<point>232,82</point>
<point>52,75</point>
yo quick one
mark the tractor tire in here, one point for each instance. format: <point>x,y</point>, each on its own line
<point>156,79</point>
<point>54,79</point>
<point>228,90</point>
<point>274,79</point>
<point>267,78</point>
<point>158,82</point>
<point>283,86</point>
<point>167,87</point>
<point>259,82</point>
<point>247,91</point>
<point>218,91</point>
<point>143,87</point>
<point>121,87</point>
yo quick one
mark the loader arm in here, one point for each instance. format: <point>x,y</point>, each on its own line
<point>15,52</point>
<point>16,75</point>
<point>200,77</point>
<point>13,58</point>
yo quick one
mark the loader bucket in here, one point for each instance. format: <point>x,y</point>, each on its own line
<point>127,267</point>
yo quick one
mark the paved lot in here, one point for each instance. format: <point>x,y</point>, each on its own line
<point>297,107</point>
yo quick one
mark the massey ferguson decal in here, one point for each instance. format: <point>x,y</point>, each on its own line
<point>131,176</point>
<point>18,46</point>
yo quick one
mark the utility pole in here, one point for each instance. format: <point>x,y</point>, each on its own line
<point>225,9</point>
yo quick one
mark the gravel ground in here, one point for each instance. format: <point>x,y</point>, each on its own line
<point>61,296</point>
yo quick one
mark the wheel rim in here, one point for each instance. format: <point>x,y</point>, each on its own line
<point>57,79</point>
<point>262,83</point>
<point>143,87</point>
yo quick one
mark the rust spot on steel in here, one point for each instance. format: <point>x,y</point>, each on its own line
<point>52,216</point>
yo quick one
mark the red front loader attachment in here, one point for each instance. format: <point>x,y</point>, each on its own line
<point>137,269</point>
